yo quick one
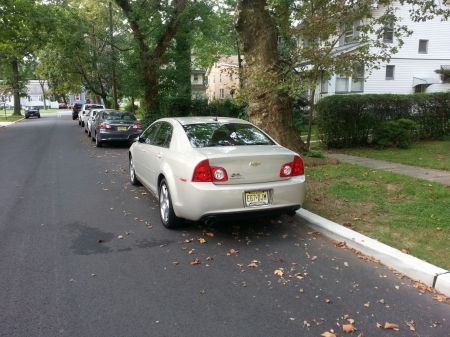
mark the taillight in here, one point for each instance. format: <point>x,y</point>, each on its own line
<point>104,126</point>
<point>137,126</point>
<point>292,169</point>
<point>205,173</point>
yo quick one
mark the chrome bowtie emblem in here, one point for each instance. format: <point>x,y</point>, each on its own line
<point>254,163</point>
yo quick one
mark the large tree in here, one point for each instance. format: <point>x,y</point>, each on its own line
<point>25,26</point>
<point>154,25</point>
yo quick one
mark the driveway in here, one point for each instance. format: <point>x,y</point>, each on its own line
<point>82,253</point>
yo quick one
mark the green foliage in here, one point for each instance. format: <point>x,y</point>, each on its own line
<point>349,120</point>
<point>399,133</point>
<point>313,154</point>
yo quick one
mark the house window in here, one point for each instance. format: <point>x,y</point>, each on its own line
<point>423,46</point>
<point>222,93</point>
<point>231,76</point>
<point>390,71</point>
<point>341,84</point>
<point>351,32</point>
<point>388,35</point>
<point>220,77</point>
<point>358,79</point>
<point>195,77</point>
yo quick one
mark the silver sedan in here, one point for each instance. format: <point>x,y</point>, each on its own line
<point>203,168</point>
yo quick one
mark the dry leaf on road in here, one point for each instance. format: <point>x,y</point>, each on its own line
<point>201,241</point>
<point>391,326</point>
<point>348,328</point>
<point>232,252</point>
<point>328,334</point>
<point>195,262</point>
<point>279,272</point>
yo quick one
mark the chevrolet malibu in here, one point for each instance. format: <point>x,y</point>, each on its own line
<point>203,168</point>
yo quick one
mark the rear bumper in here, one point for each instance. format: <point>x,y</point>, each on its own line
<point>194,201</point>
<point>117,136</point>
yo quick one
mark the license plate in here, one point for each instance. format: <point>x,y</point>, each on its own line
<point>256,198</point>
<point>122,128</point>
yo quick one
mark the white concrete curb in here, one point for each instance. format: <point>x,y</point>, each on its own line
<point>411,266</point>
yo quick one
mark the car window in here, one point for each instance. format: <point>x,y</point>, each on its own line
<point>149,134</point>
<point>228,134</point>
<point>164,135</point>
<point>119,116</point>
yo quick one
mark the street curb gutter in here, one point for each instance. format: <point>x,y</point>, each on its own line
<point>411,266</point>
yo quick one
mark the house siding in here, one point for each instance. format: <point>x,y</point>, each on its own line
<point>408,62</point>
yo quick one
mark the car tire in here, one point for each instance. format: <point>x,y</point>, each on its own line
<point>85,130</point>
<point>39,116</point>
<point>166,213</point>
<point>73,118</point>
<point>79,123</point>
<point>134,180</point>
<point>82,124</point>
<point>89,134</point>
<point>98,143</point>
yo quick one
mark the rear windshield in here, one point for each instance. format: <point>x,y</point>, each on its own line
<point>229,134</point>
<point>93,106</point>
<point>119,115</point>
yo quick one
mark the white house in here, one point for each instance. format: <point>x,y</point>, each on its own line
<point>34,97</point>
<point>411,70</point>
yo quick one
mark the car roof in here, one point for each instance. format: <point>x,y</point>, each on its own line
<point>208,119</point>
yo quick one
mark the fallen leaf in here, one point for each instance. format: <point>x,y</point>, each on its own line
<point>441,298</point>
<point>195,262</point>
<point>366,305</point>
<point>191,251</point>
<point>412,325</point>
<point>120,237</point>
<point>348,328</point>
<point>201,241</point>
<point>328,334</point>
<point>279,272</point>
<point>328,301</point>
<point>253,264</point>
<point>391,326</point>
<point>176,263</point>
<point>209,234</point>
<point>341,244</point>
<point>232,252</point>
<point>209,258</point>
<point>346,264</point>
<point>314,258</point>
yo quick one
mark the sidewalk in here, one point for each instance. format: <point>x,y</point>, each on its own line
<point>438,176</point>
<point>5,124</point>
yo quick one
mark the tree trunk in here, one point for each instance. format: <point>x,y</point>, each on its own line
<point>270,107</point>
<point>15,86</point>
<point>42,84</point>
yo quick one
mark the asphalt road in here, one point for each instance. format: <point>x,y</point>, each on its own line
<point>65,269</point>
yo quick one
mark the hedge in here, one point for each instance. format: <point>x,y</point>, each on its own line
<point>349,120</point>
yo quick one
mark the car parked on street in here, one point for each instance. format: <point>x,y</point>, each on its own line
<point>203,168</point>
<point>76,107</point>
<point>85,110</point>
<point>90,119</point>
<point>32,111</point>
<point>115,126</point>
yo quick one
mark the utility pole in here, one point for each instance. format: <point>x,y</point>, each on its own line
<point>113,59</point>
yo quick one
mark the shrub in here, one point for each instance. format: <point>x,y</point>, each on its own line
<point>399,133</point>
<point>350,120</point>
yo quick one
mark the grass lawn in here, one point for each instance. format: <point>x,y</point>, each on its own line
<point>432,154</point>
<point>403,212</point>
<point>314,133</point>
<point>9,118</point>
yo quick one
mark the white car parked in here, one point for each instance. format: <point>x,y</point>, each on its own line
<point>202,168</point>
<point>85,110</point>
<point>89,120</point>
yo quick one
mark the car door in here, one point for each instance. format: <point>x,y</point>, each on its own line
<point>141,154</point>
<point>157,150</point>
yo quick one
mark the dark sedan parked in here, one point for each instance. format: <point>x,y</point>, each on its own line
<point>115,125</point>
<point>75,110</point>
<point>32,111</point>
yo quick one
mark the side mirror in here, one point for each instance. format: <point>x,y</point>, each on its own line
<point>140,139</point>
